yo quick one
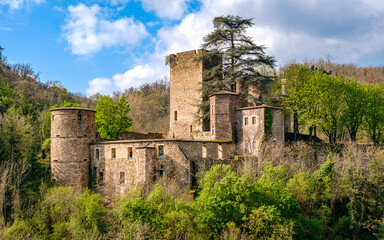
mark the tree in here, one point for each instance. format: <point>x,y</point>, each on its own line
<point>241,58</point>
<point>374,115</point>
<point>111,118</point>
<point>354,103</point>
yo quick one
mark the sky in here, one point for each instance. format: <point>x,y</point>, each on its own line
<point>104,46</point>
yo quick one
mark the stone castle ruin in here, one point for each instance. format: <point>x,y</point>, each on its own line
<point>80,159</point>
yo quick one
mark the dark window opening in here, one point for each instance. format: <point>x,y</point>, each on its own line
<point>53,117</point>
<point>122,178</point>
<point>253,120</point>
<point>213,129</point>
<point>246,121</point>
<point>160,151</point>
<point>79,117</point>
<point>101,177</point>
<point>113,153</point>
<point>175,115</point>
<point>130,153</point>
<point>190,128</point>
<point>97,154</point>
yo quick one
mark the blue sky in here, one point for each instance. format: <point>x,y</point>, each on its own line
<point>105,46</point>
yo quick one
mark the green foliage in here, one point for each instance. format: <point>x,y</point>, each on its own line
<point>265,222</point>
<point>111,118</point>
<point>234,60</point>
<point>374,114</point>
<point>89,212</point>
<point>65,104</point>
<point>268,119</point>
<point>332,103</point>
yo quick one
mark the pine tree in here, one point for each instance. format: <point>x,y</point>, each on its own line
<point>241,59</point>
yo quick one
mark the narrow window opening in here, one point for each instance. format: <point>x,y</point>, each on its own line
<point>160,151</point>
<point>246,121</point>
<point>53,117</point>
<point>175,115</point>
<point>253,120</point>
<point>97,154</point>
<point>113,153</point>
<point>212,109</point>
<point>190,128</point>
<point>204,152</point>
<point>101,177</point>
<point>220,151</point>
<point>130,153</point>
<point>122,178</point>
<point>79,117</point>
<point>213,129</point>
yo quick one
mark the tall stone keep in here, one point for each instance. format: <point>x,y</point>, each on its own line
<point>186,77</point>
<point>72,130</point>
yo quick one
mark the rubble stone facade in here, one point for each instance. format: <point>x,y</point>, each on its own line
<point>113,167</point>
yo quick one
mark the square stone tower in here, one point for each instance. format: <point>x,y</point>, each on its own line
<point>186,77</point>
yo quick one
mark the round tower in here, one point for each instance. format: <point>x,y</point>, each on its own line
<point>72,129</point>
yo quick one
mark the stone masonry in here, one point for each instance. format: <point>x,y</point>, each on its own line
<point>79,159</point>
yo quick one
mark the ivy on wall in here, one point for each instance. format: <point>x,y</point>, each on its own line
<point>268,120</point>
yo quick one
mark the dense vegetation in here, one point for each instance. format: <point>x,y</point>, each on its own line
<point>296,192</point>
<point>340,107</point>
<point>300,191</point>
<point>25,104</point>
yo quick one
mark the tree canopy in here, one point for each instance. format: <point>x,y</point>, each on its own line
<point>111,117</point>
<point>241,58</point>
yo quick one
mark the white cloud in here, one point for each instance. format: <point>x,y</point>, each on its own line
<point>294,30</point>
<point>100,85</point>
<point>119,82</point>
<point>87,31</point>
<point>172,9</point>
<point>16,4</point>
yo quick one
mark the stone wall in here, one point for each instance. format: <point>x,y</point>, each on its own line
<point>252,134</point>
<point>222,112</point>
<point>186,76</point>
<point>72,130</point>
<point>147,164</point>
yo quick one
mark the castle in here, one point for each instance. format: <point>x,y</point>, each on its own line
<point>78,156</point>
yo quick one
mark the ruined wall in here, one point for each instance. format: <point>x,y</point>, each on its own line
<point>251,133</point>
<point>222,114</point>
<point>72,129</point>
<point>186,76</point>
<point>278,125</point>
<point>251,130</point>
<point>147,164</point>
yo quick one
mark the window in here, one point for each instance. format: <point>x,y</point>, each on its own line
<point>190,128</point>
<point>253,120</point>
<point>79,117</point>
<point>101,177</point>
<point>113,153</point>
<point>122,178</point>
<point>246,121</point>
<point>213,129</point>
<point>175,115</point>
<point>212,107</point>
<point>97,154</point>
<point>220,151</point>
<point>130,153</point>
<point>160,151</point>
<point>53,117</point>
<point>204,152</point>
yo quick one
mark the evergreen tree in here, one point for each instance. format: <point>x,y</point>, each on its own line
<point>241,59</point>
